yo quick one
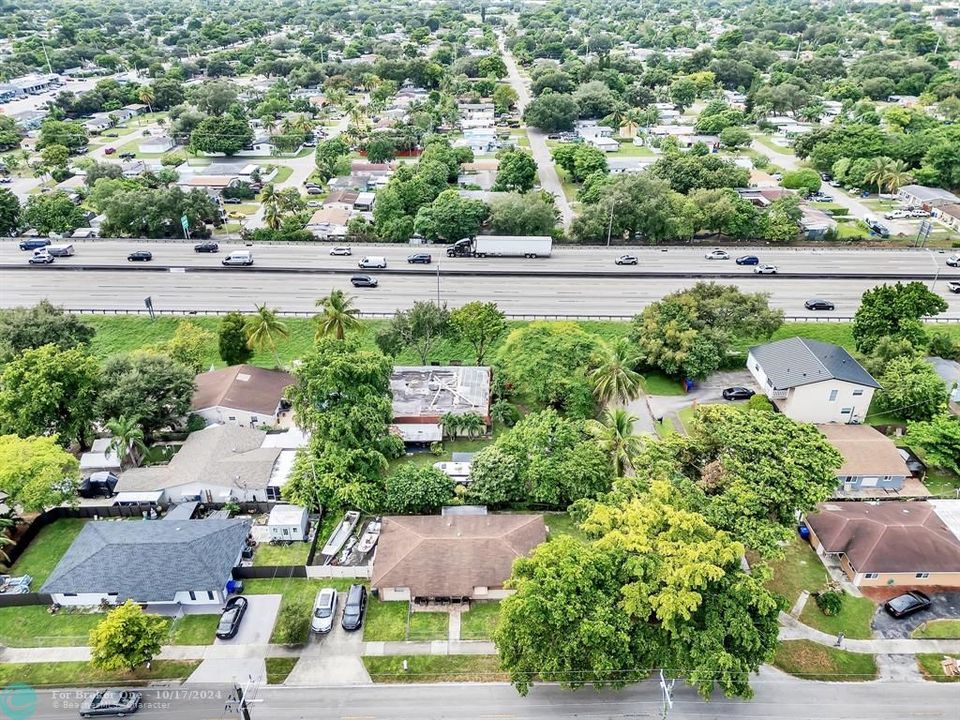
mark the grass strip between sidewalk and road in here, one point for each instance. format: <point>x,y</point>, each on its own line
<point>812,661</point>
<point>435,668</point>
<point>83,674</point>
<point>929,664</point>
<point>278,668</point>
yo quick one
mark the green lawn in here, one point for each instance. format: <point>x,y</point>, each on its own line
<point>429,626</point>
<point>559,524</point>
<point>939,629</point>
<point>385,621</point>
<point>799,569</point>
<point>281,555</point>
<point>283,173</point>
<point>628,149</point>
<point>942,483</point>
<point>160,454</point>
<point>194,630</point>
<point>853,620</point>
<point>449,447</point>
<point>479,622</point>
<point>435,668</point>
<point>768,143</point>
<point>278,668</point>
<point>43,554</point>
<point>82,674</point>
<point>686,417</point>
<point>929,665</point>
<point>810,661</point>
<point>656,383</point>
<point>33,626</point>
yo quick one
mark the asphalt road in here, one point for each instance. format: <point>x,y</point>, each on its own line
<point>675,261</point>
<point>776,698</point>
<point>220,289</point>
<point>549,179</point>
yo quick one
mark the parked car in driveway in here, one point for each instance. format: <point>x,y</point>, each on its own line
<point>738,393</point>
<point>748,260</point>
<point>354,608</point>
<point>897,214</point>
<point>207,247</point>
<point>907,604</point>
<point>341,250</point>
<point>819,304</point>
<point>109,151</point>
<point>314,191</point>
<point>627,260</point>
<point>717,255</point>
<point>117,703</point>
<point>231,616</point>
<point>140,256</point>
<point>420,258</point>
<point>954,286</point>
<point>364,281</point>
<point>765,269</point>
<point>324,609</point>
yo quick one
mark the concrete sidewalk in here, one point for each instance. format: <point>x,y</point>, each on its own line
<point>436,647</point>
<point>791,629</point>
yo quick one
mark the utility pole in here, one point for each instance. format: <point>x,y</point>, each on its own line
<point>667,695</point>
<point>438,284</point>
<point>240,701</point>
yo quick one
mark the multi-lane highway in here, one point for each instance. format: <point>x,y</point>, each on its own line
<point>776,698</point>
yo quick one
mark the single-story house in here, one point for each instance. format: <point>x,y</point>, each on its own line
<point>173,561</point>
<point>948,214</point>
<point>891,543</point>
<point>423,395</point>
<point>340,199</point>
<point>927,196</point>
<point>607,144</point>
<point>815,223</point>
<point>208,182</point>
<point>812,381</point>
<point>241,394</point>
<point>157,144</point>
<point>619,165</point>
<point>220,463</point>
<point>453,556</point>
<point>288,523</point>
<point>329,223</point>
<point>364,201</point>
<point>96,124</point>
<point>870,458</point>
<point>588,129</point>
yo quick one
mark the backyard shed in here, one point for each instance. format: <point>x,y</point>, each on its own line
<point>288,523</point>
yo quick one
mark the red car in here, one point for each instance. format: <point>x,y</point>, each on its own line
<point>109,151</point>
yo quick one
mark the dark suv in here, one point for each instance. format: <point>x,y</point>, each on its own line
<point>33,243</point>
<point>354,608</point>
<point>423,258</point>
<point>363,281</point>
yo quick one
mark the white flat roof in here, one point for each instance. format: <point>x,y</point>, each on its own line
<point>287,515</point>
<point>949,512</point>
<point>420,432</point>
<point>282,468</point>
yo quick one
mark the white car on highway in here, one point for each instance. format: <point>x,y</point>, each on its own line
<point>954,286</point>
<point>765,269</point>
<point>717,255</point>
<point>953,261</point>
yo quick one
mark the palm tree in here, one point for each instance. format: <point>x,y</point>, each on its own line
<point>472,424</point>
<point>127,437</point>
<point>269,123</point>
<point>614,379</point>
<point>614,433</point>
<point>632,120</point>
<point>451,424</point>
<point>272,206</point>
<point>898,175</point>
<point>338,316</point>
<point>878,171</point>
<point>616,119</point>
<point>263,329</point>
<point>147,96</point>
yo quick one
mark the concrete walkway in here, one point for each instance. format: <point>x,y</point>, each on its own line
<point>436,647</point>
<point>453,633</point>
<point>791,629</point>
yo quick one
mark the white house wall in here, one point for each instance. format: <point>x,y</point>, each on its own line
<point>217,493</point>
<point>223,415</point>
<point>812,403</point>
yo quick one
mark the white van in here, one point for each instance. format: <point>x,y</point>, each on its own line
<point>60,250</point>
<point>373,261</point>
<point>239,257</point>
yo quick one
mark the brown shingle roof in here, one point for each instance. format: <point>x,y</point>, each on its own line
<point>865,450</point>
<point>348,197</point>
<point>887,537</point>
<point>241,387</point>
<point>441,556</point>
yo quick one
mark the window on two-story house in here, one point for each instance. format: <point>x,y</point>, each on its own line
<point>833,395</point>
<point>846,411</point>
<point>858,392</point>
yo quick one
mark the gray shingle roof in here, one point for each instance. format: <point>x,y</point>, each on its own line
<point>800,361</point>
<point>149,560</point>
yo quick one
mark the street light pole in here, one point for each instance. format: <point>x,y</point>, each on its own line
<point>438,284</point>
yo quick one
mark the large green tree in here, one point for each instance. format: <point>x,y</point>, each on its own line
<point>911,389</point>
<point>689,332</point>
<point>552,112</point>
<point>9,212</point>
<point>152,387</point>
<point>895,311</point>
<point>481,324</point>
<point>939,439</point>
<point>23,328</point>
<point>232,339</point>
<point>516,172</point>
<point>412,489</point>
<point>419,328</point>
<point>126,638</point>
<point>52,212</point>
<point>527,214</point>
<point>221,134</point>
<point>36,473</point>
<point>450,217</point>
<point>47,391</point>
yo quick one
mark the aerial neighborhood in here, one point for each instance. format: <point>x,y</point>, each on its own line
<point>539,354</point>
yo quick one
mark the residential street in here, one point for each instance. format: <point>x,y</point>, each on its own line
<point>549,180</point>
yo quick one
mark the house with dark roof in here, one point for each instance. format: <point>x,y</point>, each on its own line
<point>241,394</point>
<point>812,381</point>
<point>173,561</point>
<point>890,543</point>
<point>452,556</point>
<point>871,461</point>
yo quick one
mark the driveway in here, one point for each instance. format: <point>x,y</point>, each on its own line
<point>331,659</point>
<point>946,605</point>
<point>707,391</point>
<point>257,623</point>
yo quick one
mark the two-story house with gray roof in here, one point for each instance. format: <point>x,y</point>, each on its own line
<point>812,381</point>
